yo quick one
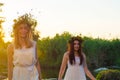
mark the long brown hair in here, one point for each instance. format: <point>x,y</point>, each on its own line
<point>24,19</point>
<point>71,49</point>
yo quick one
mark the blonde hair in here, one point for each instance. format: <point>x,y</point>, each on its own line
<point>25,19</point>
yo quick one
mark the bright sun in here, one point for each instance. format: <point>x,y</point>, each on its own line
<point>7,32</point>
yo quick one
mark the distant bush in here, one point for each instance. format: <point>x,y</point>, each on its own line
<point>108,75</point>
<point>96,71</point>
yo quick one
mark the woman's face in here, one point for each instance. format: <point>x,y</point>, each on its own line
<point>76,45</point>
<point>23,30</point>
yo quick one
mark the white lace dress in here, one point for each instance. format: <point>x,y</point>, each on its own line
<point>24,64</point>
<point>75,72</point>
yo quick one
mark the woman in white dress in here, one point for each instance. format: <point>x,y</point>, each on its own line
<point>22,53</point>
<point>75,61</point>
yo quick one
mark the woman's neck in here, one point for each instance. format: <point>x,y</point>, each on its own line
<point>76,53</point>
<point>22,41</point>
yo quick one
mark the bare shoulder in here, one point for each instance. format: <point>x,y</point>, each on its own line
<point>10,48</point>
<point>84,55</point>
<point>66,55</point>
<point>33,41</point>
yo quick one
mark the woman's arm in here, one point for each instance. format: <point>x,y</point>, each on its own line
<point>10,61</point>
<point>63,66</point>
<point>88,73</point>
<point>39,70</point>
<point>38,65</point>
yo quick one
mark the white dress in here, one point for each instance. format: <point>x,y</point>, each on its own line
<point>75,72</point>
<point>24,64</point>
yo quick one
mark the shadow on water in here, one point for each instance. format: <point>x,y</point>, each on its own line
<point>50,73</point>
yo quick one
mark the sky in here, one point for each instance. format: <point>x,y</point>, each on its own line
<point>95,18</point>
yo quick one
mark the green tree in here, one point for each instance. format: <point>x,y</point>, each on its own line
<point>51,51</point>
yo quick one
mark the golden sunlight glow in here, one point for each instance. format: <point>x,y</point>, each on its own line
<point>7,39</point>
<point>7,32</point>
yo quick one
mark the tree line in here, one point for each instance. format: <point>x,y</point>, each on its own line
<point>99,52</point>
